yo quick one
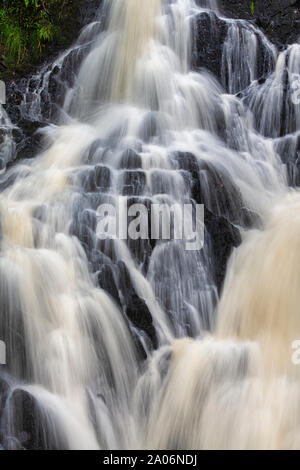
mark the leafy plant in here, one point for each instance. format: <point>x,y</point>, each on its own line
<point>252,8</point>
<point>27,25</point>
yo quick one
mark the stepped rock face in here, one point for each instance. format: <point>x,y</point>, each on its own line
<point>214,39</point>
<point>279,19</point>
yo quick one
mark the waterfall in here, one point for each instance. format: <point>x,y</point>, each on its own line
<point>139,343</point>
<point>7,144</point>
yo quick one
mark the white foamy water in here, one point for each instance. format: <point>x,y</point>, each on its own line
<point>81,315</point>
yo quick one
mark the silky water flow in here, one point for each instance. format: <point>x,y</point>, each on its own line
<point>132,344</point>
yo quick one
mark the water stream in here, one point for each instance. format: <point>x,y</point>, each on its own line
<point>134,344</point>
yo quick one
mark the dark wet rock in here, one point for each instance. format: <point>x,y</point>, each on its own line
<point>30,426</point>
<point>97,179</point>
<point>223,208</point>
<point>103,177</point>
<point>70,67</point>
<point>278,19</point>
<point>88,218</point>
<point>163,182</point>
<point>209,33</point>
<point>220,195</point>
<point>130,160</point>
<point>282,120</point>
<point>32,142</point>
<point>141,249</point>
<point>223,238</point>
<point>107,247</point>
<point>56,90</point>
<point>87,180</point>
<point>210,36</point>
<point>135,308</point>
<point>214,188</point>
<point>7,180</point>
<point>94,151</point>
<point>289,150</point>
<point>83,227</point>
<point>14,99</point>
<point>4,390</point>
<point>133,182</point>
<point>18,136</point>
<point>149,128</point>
<point>188,162</point>
<point>107,281</point>
<point>12,327</point>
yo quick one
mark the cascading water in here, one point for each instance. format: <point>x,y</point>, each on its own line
<point>7,144</point>
<point>99,332</point>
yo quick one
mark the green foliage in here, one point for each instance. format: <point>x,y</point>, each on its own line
<point>252,8</point>
<point>27,25</point>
